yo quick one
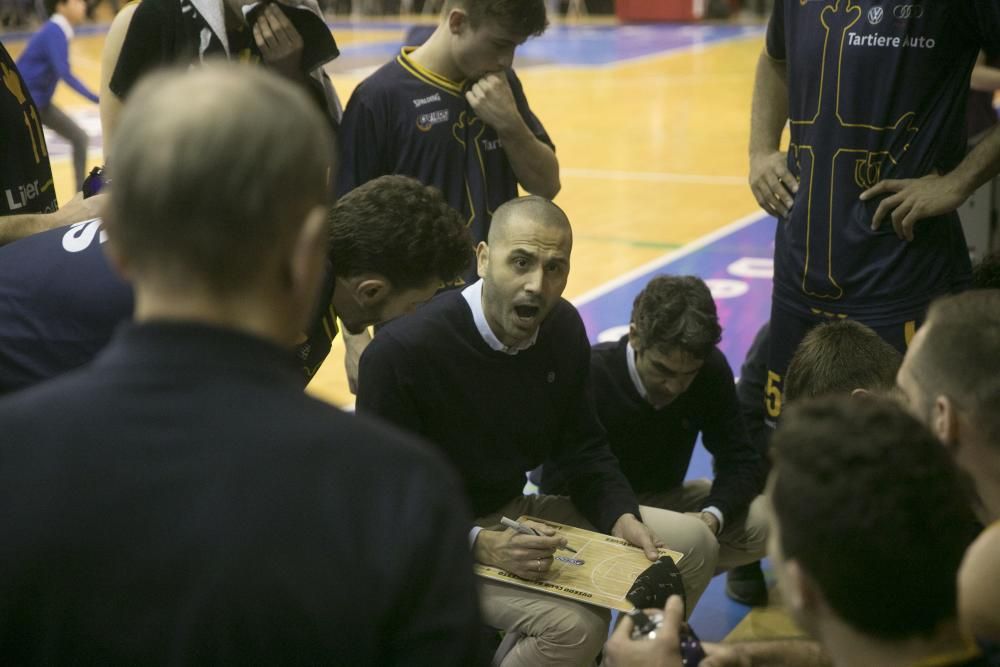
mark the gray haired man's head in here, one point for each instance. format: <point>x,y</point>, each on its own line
<point>214,169</point>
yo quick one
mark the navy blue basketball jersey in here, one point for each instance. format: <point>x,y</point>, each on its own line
<point>404,119</point>
<point>25,174</point>
<point>877,90</point>
<point>60,301</point>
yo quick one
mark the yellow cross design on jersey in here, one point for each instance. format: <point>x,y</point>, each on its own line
<point>825,206</point>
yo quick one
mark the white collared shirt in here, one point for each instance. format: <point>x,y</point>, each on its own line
<point>61,21</point>
<point>473,294</point>
<point>633,373</point>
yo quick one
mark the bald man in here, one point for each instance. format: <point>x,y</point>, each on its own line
<point>497,376</point>
<point>180,500</point>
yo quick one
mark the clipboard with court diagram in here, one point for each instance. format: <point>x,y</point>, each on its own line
<point>609,568</point>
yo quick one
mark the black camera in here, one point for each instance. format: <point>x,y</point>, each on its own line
<point>646,627</point>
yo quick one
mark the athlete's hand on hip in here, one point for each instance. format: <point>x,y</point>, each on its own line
<point>771,182</point>
<point>492,100</point>
<point>279,42</point>
<point>527,556</point>
<point>633,531</point>
<point>913,199</point>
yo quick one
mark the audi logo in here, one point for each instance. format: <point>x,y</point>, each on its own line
<point>908,11</point>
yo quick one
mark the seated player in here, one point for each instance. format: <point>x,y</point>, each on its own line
<point>837,357</point>
<point>392,243</point>
<point>856,489</point>
<point>655,390</point>
<point>951,380</point>
<point>180,500</point>
<point>864,502</point>
<point>498,377</point>
<point>843,357</point>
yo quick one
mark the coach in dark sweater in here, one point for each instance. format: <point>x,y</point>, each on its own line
<point>180,500</point>
<point>497,376</point>
<point>656,389</point>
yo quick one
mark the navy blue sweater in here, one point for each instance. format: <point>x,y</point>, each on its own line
<point>655,446</point>
<point>496,415</point>
<point>180,501</point>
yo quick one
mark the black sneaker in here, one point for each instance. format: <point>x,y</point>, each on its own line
<point>745,584</point>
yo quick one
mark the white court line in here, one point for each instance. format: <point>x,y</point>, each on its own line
<point>652,176</point>
<point>659,262</point>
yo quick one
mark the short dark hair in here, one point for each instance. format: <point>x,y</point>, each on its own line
<point>839,357</point>
<point>960,356</point>
<point>871,506</point>
<point>206,200</point>
<point>50,6</point>
<point>986,272</point>
<point>400,228</point>
<point>677,312</point>
<point>524,18</point>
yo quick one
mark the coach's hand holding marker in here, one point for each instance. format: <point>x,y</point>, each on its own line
<point>528,555</point>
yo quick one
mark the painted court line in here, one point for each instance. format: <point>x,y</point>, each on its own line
<point>660,262</point>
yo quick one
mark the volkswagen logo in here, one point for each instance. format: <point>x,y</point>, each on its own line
<point>875,15</point>
<point>907,11</point>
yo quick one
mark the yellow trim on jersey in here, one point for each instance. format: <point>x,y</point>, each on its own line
<point>427,76</point>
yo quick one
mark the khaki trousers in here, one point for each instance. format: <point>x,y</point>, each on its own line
<point>557,631</point>
<point>743,539</point>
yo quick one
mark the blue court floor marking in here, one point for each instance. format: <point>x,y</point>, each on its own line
<point>736,263</point>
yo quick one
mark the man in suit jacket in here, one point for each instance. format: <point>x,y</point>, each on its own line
<point>179,499</point>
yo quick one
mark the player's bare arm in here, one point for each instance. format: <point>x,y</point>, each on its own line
<point>111,104</point>
<point>534,163</point>
<point>771,182</point>
<point>16,227</point>
<point>527,556</point>
<point>912,199</point>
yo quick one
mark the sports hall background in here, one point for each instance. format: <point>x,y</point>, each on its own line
<point>651,124</point>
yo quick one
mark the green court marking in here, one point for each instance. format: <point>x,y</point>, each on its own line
<point>657,245</point>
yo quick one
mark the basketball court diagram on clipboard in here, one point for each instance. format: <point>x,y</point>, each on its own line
<point>609,568</point>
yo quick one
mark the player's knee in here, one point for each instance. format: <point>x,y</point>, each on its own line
<point>702,548</point>
<point>578,627</point>
<point>756,526</point>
